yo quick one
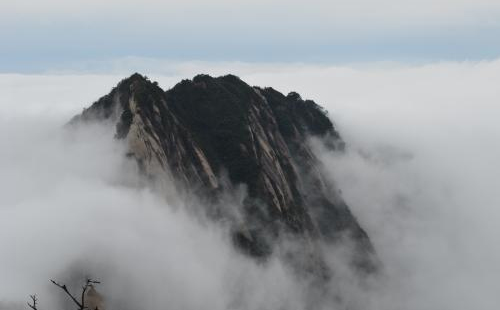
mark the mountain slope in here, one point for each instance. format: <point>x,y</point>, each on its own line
<point>213,135</point>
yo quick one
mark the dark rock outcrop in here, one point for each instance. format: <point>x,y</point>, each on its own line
<point>210,135</point>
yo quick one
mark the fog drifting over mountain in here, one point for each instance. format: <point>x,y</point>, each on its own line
<point>420,173</point>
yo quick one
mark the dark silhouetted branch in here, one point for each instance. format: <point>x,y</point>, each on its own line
<point>80,304</point>
<point>34,302</point>
<point>65,289</point>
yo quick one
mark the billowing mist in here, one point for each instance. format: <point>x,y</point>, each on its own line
<point>419,172</point>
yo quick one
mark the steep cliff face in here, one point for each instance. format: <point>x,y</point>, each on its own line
<point>209,135</point>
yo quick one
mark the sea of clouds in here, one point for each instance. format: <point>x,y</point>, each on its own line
<point>420,173</point>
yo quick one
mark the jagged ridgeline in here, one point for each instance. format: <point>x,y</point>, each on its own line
<point>211,135</point>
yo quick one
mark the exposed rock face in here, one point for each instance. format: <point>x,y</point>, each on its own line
<point>93,300</point>
<point>211,134</point>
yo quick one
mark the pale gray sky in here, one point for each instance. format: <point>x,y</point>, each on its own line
<point>49,35</point>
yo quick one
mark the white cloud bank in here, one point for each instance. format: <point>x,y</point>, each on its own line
<point>421,173</point>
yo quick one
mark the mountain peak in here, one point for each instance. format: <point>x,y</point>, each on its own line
<point>210,135</point>
<point>294,96</point>
<point>137,77</point>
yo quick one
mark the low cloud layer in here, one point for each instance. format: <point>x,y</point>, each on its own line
<point>73,206</point>
<point>420,173</point>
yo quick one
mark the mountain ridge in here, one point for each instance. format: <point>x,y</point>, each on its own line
<point>212,134</point>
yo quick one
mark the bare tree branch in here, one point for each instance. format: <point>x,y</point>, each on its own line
<point>81,304</point>
<point>34,303</point>
<point>65,289</point>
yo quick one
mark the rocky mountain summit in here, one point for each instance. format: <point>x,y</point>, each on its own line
<point>210,136</point>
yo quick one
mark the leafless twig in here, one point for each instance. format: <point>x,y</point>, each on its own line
<point>34,302</point>
<point>81,303</point>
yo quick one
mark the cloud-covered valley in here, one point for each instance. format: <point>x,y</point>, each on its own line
<point>420,172</point>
